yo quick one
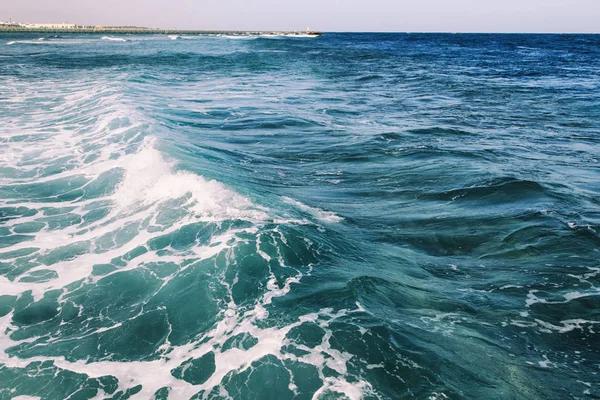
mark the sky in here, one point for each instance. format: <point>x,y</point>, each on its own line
<point>323,15</point>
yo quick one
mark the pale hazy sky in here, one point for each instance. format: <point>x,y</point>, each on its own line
<point>326,15</point>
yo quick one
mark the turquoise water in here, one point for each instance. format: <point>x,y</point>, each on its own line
<point>350,216</point>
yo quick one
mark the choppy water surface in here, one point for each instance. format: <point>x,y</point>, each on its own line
<point>350,216</point>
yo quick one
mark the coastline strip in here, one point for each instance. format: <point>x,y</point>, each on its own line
<point>144,31</point>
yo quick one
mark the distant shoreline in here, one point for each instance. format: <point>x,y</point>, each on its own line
<point>150,31</point>
<point>147,31</point>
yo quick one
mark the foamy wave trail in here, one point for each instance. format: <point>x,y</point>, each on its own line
<point>264,219</point>
<point>286,35</point>
<point>238,37</point>
<point>37,41</point>
<point>184,37</point>
<point>114,39</point>
<point>53,41</point>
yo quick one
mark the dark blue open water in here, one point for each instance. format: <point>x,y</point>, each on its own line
<point>350,216</point>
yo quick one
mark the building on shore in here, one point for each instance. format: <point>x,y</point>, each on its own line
<point>65,25</point>
<point>9,23</point>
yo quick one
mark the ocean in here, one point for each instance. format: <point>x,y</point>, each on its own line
<point>351,216</point>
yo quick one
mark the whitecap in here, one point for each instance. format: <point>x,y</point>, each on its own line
<point>149,179</point>
<point>321,215</point>
<point>239,37</point>
<point>114,39</point>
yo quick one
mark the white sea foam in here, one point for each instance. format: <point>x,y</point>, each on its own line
<point>153,375</point>
<point>53,41</point>
<point>567,325</point>
<point>286,35</point>
<point>114,39</point>
<point>532,298</point>
<point>302,35</point>
<point>321,215</point>
<point>239,37</point>
<point>149,179</point>
<point>27,42</point>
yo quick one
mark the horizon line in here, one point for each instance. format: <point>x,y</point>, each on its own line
<point>33,30</point>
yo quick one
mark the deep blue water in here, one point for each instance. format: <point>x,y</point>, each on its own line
<point>350,216</point>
